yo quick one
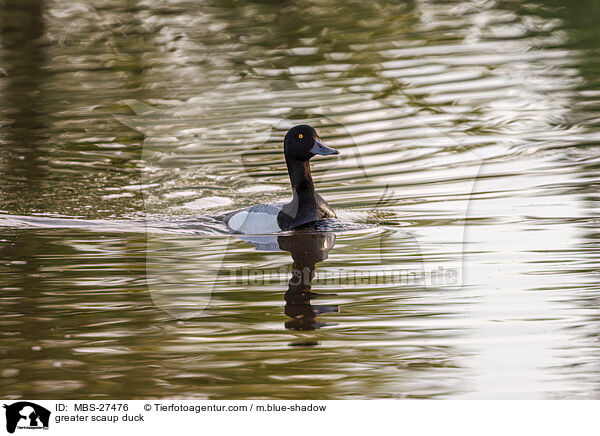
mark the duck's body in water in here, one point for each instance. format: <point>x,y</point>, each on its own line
<point>301,143</point>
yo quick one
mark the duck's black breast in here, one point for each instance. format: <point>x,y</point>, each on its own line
<point>298,213</point>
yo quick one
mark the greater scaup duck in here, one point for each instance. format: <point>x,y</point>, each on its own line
<point>307,206</point>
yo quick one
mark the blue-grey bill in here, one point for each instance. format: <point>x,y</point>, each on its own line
<point>322,150</point>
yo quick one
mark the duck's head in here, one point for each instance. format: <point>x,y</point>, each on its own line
<point>302,142</point>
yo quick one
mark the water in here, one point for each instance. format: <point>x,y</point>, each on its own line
<point>469,167</point>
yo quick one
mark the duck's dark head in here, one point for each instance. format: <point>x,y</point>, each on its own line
<point>303,142</point>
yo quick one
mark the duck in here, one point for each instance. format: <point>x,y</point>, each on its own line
<point>301,143</point>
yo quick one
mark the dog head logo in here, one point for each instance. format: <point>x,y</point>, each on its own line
<point>24,414</point>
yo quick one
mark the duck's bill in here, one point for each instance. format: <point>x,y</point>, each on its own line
<point>322,150</point>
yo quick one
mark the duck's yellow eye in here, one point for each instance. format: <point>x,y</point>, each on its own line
<point>300,135</point>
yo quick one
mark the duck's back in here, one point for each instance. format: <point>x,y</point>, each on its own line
<point>259,218</point>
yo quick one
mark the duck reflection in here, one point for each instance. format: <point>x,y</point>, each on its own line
<point>307,249</point>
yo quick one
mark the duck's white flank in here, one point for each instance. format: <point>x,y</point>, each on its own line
<point>260,218</point>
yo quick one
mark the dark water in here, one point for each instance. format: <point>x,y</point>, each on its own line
<point>466,261</point>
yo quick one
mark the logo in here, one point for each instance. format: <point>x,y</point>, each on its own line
<point>26,415</point>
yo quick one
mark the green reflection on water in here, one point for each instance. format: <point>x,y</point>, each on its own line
<point>78,316</point>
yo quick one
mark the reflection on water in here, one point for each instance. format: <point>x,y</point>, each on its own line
<point>469,139</point>
<point>307,249</point>
<point>23,91</point>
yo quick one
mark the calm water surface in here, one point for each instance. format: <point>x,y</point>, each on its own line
<point>469,168</point>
